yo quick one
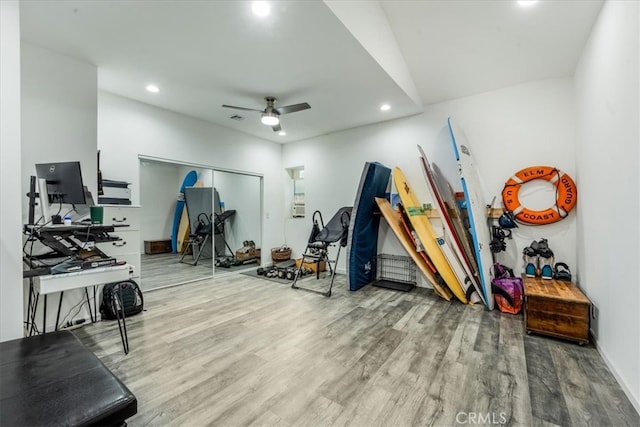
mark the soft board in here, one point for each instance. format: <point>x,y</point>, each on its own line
<point>476,208</point>
<point>362,242</point>
<point>462,265</point>
<point>394,219</point>
<point>427,235</point>
<point>190,178</point>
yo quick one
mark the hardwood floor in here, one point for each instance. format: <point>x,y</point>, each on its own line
<point>162,270</point>
<point>238,350</point>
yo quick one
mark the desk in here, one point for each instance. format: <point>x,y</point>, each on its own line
<point>52,283</point>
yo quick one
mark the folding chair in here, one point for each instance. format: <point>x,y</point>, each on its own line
<point>320,240</point>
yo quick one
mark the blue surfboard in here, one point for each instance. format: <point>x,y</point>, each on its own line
<point>362,243</point>
<point>476,209</point>
<point>189,180</point>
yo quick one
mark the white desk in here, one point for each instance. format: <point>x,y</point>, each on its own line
<point>52,283</point>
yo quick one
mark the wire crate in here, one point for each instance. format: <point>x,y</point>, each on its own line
<point>395,272</point>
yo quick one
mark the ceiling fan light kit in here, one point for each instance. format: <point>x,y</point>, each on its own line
<point>270,116</point>
<point>270,119</point>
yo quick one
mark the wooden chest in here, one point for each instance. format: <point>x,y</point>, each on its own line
<point>157,246</point>
<point>556,308</point>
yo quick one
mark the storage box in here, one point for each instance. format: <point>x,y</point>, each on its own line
<point>157,246</point>
<point>556,308</point>
<point>244,255</point>
<point>314,266</point>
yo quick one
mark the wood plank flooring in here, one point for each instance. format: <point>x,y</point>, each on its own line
<point>243,351</point>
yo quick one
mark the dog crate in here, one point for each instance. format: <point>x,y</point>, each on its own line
<point>395,272</point>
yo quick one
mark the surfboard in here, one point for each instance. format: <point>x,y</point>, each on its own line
<point>190,178</point>
<point>184,229</point>
<point>426,233</point>
<point>456,216</point>
<point>476,208</point>
<point>460,263</point>
<point>362,242</point>
<point>395,222</point>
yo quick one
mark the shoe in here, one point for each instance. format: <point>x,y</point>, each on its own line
<point>530,256</point>
<point>546,272</point>
<point>543,249</point>
<point>561,272</point>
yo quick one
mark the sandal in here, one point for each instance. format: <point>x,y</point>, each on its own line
<point>561,272</point>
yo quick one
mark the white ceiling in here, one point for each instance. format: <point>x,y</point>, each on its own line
<point>203,54</point>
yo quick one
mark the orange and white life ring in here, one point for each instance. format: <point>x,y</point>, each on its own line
<point>566,195</point>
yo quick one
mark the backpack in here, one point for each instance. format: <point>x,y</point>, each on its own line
<point>132,300</point>
<point>508,290</point>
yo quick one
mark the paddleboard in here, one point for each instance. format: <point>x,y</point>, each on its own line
<point>395,222</point>
<point>427,234</point>
<point>184,229</point>
<point>476,208</point>
<point>362,242</point>
<point>190,178</point>
<point>460,263</point>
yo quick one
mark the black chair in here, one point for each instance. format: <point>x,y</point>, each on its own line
<point>320,240</point>
<point>198,239</point>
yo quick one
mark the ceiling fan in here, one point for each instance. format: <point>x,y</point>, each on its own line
<point>271,115</point>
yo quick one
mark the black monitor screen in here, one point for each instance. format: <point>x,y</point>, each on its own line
<point>64,182</point>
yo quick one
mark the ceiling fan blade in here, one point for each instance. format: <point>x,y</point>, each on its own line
<point>276,128</point>
<point>242,108</point>
<point>292,108</point>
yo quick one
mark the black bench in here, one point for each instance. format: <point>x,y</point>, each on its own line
<point>53,379</point>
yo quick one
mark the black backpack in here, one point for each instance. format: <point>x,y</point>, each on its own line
<point>131,295</point>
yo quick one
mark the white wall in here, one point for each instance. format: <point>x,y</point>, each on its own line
<point>59,123</point>
<point>160,184</point>
<point>507,129</point>
<point>59,113</point>
<point>129,128</point>
<point>608,134</point>
<point>11,305</point>
<point>242,193</point>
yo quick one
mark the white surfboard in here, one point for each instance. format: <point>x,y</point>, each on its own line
<point>476,207</point>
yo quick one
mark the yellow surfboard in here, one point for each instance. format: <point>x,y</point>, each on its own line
<point>426,233</point>
<point>395,223</point>
<point>185,229</point>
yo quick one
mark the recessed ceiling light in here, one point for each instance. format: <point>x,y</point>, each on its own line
<point>282,133</point>
<point>261,8</point>
<point>385,107</point>
<point>152,88</point>
<point>527,3</point>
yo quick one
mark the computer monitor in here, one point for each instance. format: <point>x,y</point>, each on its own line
<point>64,182</point>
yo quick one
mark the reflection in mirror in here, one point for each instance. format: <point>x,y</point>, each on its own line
<point>165,225</point>
<point>237,221</point>
<point>214,220</point>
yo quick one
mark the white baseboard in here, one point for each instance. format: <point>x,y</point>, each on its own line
<point>627,391</point>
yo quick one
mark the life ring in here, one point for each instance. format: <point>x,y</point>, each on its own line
<point>566,195</point>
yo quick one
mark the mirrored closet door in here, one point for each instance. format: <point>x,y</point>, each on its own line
<point>213,226</point>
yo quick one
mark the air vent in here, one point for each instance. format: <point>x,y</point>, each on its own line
<point>236,117</point>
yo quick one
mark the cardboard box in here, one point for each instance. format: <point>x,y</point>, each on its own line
<point>312,265</point>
